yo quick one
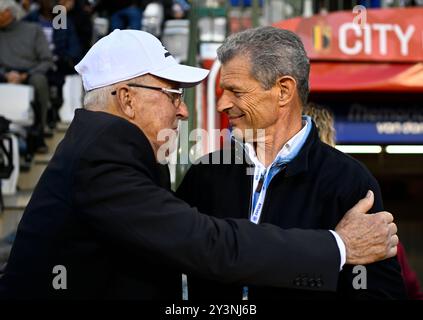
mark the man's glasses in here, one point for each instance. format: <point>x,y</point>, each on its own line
<point>175,95</point>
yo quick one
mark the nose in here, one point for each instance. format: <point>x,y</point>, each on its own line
<point>182,112</point>
<point>224,103</point>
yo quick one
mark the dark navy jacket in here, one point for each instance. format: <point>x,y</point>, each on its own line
<point>314,191</point>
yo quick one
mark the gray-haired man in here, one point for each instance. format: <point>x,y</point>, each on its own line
<point>298,181</point>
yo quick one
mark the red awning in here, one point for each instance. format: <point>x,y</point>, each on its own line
<point>376,77</point>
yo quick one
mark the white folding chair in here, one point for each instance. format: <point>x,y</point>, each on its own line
<point>176,38</point>
<point>8,185</point>
<point>15,103</point>
<point>72,97</point>
<point>152,19</point>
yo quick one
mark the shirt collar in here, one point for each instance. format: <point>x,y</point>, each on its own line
<point>287,148</point>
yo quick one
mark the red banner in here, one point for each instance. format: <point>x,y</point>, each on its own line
<point>389,35</point>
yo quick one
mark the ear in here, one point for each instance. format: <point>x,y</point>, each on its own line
<point>287,88</point>
<point>125,101</point>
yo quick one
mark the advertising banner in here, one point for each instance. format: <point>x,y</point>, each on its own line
<point>382,35</point>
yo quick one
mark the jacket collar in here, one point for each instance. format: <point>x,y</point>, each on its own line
<point>301,162</point>
<point>296,166</point>
<point>123,132</point>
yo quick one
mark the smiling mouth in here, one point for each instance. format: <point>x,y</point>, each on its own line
<point>233,117</point>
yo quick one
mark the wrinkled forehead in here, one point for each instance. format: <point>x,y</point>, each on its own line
<point>235,71</point>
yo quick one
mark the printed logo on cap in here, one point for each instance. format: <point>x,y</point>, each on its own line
<point>167,53</point>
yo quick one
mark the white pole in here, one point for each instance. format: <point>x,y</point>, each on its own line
<point>211,105</point>
<point>308,8</point>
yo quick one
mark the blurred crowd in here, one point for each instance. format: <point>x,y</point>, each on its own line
<point>42,40</point>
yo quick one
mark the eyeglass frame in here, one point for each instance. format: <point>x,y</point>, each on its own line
<point>168,91</point>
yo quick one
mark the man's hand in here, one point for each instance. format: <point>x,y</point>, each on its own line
<point>367,237</point>
<point>15,77</point>
<point>24,76</point>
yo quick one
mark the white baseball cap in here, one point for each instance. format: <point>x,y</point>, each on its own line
<point>127,54</point>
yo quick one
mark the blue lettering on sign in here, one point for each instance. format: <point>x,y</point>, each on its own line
<point>381,122</point>
<point>379,132</point>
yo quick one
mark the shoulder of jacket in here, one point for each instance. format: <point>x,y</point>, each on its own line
<point>342,166</point>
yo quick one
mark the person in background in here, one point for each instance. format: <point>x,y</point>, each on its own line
<point>81,15</point>
<point>25,58</point>
<point>324,120</point>
<point>124,14</point>
<point>180,9</point>
<point>65,46</point>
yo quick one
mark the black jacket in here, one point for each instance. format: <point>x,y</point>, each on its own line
<point>100,210</point>
<point>314,191</point>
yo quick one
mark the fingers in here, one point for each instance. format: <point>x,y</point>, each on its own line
<point>393,246</point>
<point>394,240</point>
<point>384,217</point>
<point>365,204</point>
<point>392,252</point>
<point>392,228</point>
<point>388,217</point>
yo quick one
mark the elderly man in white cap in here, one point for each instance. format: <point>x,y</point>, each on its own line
<point>101,223</point>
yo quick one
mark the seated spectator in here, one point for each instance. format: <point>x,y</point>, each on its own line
<point>26,58</point>
<point>124,14</point>
<point>180,9</point>
<point>65,46</point>
<point>81,15</point>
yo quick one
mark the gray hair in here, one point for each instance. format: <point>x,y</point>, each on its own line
<point>98,98</point>
<point>273,53</point>
<point>12,6</point>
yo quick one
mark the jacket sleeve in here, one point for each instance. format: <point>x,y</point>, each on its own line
<point>199,289</point>
<point>380,280</point>
<point>121,203</point>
